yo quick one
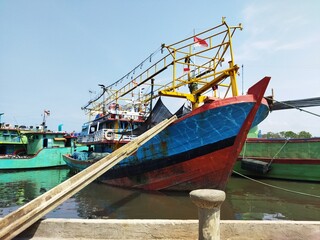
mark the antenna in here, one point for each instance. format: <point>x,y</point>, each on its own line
<point>242,77</point>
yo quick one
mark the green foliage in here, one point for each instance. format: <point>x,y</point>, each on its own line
<point>304,134</point>
<point>287,134</point>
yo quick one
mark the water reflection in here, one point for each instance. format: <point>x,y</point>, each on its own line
<point>245,199</point>
<point>251,200</point>
<point>18,188</point>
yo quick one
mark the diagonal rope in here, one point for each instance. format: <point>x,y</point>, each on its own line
<point>287,140</point>
<point>276,187</point>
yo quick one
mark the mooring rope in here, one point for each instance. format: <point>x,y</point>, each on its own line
<point>273,186</point>
<point>287,140</point>
<point>269,164</point>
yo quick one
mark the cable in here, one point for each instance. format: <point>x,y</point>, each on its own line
<point>292,106</point>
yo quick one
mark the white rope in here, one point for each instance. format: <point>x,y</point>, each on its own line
<point>280,188</point>
<point>287,140</point>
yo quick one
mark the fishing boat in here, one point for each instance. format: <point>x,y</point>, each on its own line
<point>23,147</point>
<point>199,149</point>
<point>290,159</point>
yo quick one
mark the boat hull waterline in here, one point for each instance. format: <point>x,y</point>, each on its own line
<point>196,151</point>
<point>45,158</point>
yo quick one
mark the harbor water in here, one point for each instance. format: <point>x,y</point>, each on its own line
<point>246,199</point>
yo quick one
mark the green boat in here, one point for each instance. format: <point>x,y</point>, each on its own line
<point>24,147</point>
<point>291,159</point>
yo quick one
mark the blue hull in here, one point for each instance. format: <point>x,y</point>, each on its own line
<point>189,138</point>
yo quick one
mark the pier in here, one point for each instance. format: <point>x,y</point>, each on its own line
<point>66,229</point>
<point>208,226</point>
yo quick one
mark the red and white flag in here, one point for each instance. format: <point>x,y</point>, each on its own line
<point>200,42</point>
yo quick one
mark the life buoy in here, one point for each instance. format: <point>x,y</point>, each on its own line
<point>20,152</point>
<point>112,106</point>
<point>109,135</point>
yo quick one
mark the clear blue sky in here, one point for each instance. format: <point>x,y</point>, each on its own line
<point>53,52</point>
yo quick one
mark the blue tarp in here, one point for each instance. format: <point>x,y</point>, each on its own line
<point>80,155</point>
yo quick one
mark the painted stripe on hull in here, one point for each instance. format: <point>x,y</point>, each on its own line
<point>287,161</point>
<point>206,171</point>
<point>292,140</point>
<point>146,166</point>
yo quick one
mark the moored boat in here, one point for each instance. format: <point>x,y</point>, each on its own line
<point>200,148</point>
<point>24,147</point>
<point>290,159</point>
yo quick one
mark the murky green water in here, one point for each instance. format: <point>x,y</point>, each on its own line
<point>245,199</point>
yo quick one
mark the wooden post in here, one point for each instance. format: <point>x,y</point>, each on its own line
<point>208,202</point>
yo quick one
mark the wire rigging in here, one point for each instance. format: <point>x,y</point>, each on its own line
<point>126,76</point>
<point>292,106</point>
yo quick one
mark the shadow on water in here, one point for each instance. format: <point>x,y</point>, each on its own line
<point>113,202</point>
<point>245,199</point>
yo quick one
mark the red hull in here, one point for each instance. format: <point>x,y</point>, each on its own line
<point>201,172</point>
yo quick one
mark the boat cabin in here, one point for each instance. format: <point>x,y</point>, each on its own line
<point>116,125</point>
<point>23,141</point>
<point>11,141</point>
<point>42,139</point>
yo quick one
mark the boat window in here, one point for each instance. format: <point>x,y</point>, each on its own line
<point>124,125</point>
<point>45,142</point>
<point>68,142</point>
<point>92,129</point>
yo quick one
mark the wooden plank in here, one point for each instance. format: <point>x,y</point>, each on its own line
<point>19,220</point>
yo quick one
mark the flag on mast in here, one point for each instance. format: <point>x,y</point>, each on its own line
<point>47,112</point>
<point>200,42</point>
<point>186,69</point>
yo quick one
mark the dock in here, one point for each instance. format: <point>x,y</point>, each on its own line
<point>85,229</point>
<point>207,227</point>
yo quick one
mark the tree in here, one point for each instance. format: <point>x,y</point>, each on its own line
<point>287,134</point>
<point>304,134</point>
<point>271,135</point>
<point>290,134</point>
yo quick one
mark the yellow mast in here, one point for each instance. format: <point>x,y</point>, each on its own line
<point>215,64</point>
